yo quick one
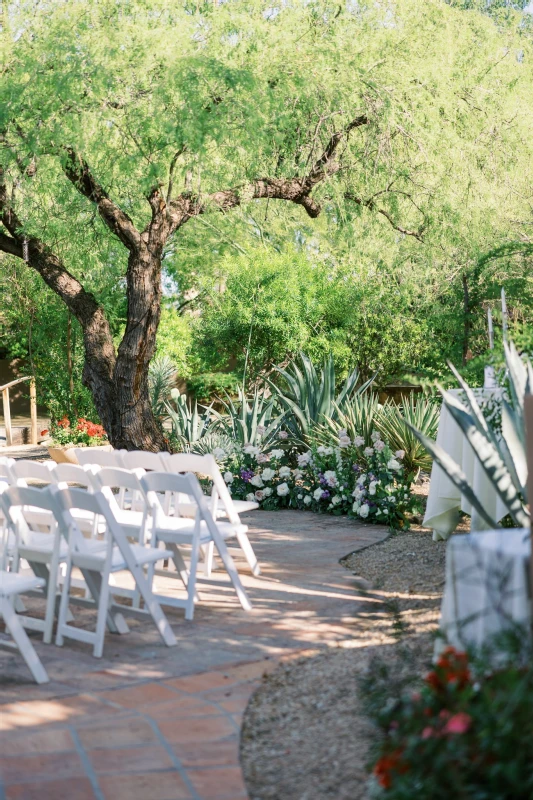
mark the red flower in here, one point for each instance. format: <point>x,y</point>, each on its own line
<point>64,423</point>
<point>459,723</point>
<point>451,668</point>
<point>388,764</point>
<point>43,433</point>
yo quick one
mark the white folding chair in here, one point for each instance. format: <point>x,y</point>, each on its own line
<point>97,567</point>
<point>220,503</point>
<point>43,550</point>
<point>177,530</point>
<point>131,519</point>
<point>80,477</point>
<point>102,458</point>
<point>11,585</point>
<point>29,473</point>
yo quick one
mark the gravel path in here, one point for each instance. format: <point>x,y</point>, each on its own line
<point>305,735</point>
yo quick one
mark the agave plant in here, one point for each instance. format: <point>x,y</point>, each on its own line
<point>502,454</point>
<point>161,379</point>
<point>249,421</point>
<point>310,399</point>
<point>188,425</point>
<point>395,423</point>
<point>358,417</point>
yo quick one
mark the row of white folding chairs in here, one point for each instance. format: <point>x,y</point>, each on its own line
<point>126,483</point>
<point>165,462</point>
<point>176,530</point>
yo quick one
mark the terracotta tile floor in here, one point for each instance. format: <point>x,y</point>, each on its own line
<point>153,723</point>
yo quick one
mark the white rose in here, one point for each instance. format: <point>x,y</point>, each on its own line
<point>259,495</point>
<point>251,450</point>
<point>268,474</point>
<point>250,497</point>
<point>375,436</point>
<point>283,435</point>
<point>300,496</point>
<point>277,453</point>
<point>356,506</point>
<point>379,446</point>
<point>282,489</point>
<point>308,499</point>
<point>368,451</point>
<point>335,500</point>
<point>362,478</point>
<point>284,472</point>
<point>304,459</point>
<point>393,464</point>
<point>358,441</point>
<point>317,494</point>
<point>358,492</point>
<point>330,477</point>
<point>344,441</point>
<point>328,451</point>
<point>256,481</point>
<point>228,477</point>
<point>267,491</point>
<point>297,473</point>
<point>363,511</point>
<point>219,454</point>
<point>372,487</point>
<point>399,454</point>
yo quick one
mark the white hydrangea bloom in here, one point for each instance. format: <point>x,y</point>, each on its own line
<point>317,494</point>
<point>283,489</point>
<point>335,500</point>
<point>330,477</point>
<point>363,511</point>
<point>356,506</point>
<point>228,477</point>
<point>372,487</point>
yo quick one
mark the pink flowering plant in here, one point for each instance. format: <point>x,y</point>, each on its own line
<point>363,482</point>
<point>467,732</point>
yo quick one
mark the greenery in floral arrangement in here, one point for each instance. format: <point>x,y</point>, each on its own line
<point>364,482</point>
<point>82,432</point>
<point>467,733</point>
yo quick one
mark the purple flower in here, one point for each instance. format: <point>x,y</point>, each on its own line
<point>247,475</point>
<point>356,468</point>
<point>325,495</point>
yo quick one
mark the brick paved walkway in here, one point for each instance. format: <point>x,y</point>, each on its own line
<point>148,722</point>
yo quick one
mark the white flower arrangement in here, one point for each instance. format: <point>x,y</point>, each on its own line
<point>277,453</point>
<point>364,510</point>
<point>267,474</point>
<point>285,472</point>
<point>257,481</point>
<point>330,477</point>
<point>282,489</point>
<point>251,450</point>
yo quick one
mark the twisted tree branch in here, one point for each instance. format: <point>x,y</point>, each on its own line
<point>370,204</point>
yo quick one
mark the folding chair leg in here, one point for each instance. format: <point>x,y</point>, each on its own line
<point>247,549</point>
<point>103,611</point>
<point>20,638</point>
<point>181,567</point>
<point>231,569</point>
<point>150,602</point>
<point>50,602</point>
<point>63,605</point>
<point>209,552</point>
<point>195,556</point>
<point>115,621</point>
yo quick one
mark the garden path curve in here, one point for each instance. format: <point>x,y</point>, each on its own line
<point>148,722</point>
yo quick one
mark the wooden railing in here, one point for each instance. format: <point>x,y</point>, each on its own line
<point>7,410</point>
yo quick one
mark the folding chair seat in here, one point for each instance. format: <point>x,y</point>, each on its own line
<point>132,519</point>
<point>220,504</point>
<point>176,530</point>
<point>97,567</point>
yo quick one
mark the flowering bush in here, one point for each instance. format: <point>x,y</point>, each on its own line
<point>363,482</point>
<point>459,736</point>
<point>83,432</point>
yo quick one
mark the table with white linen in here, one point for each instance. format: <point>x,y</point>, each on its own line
<point>445,502</point>
<point>487,586</point>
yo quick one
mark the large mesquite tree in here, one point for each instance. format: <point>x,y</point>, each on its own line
<point>136,117</point>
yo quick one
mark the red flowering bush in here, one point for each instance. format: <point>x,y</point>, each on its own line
<point>81,432</point>
<point>468,733</point>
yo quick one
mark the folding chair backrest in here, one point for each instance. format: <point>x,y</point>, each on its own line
<point>71,499</point>
<point>151,462</point>
<point>103,458</point>
<point>155,483</point>
<point>6,476</point>
<point>109,478</point>
<point>73,473</point>
<point>205,465</point>
<point>24,471</point>
<point>16,499</point>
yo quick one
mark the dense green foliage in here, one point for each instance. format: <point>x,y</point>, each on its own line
<point>427,219</point>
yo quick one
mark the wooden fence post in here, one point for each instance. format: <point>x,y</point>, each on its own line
<point>33,411</point>
<point>7,417</point>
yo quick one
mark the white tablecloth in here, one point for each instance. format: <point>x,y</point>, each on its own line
<point>445,501</point>
<point>486,591</point>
